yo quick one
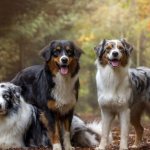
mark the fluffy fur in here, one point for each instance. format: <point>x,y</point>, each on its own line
<point>140,80</point>
<point>10,136</point>
<point>86,134</point>
<point>113,87</point>
<point>121,90</point>
<point>20,124</point>
<point>53,87</point>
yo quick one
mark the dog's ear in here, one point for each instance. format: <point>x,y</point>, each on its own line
<point>77,51</point>
<point>46,51</point>
<point>16,91</point>
<point>128,47</point>
<point>99,49</point>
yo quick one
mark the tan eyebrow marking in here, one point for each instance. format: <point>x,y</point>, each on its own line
<point>109,46</point>
<point>120,46</point>
<point>58,48</point>
<point>67,47</point>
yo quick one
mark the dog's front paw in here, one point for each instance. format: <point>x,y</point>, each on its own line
<point>57,146</point>
<point>134,146</point>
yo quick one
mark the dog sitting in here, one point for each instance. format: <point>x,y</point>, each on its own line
<point>53,87</point>
<point>9,105</point>
<point>19,121</point>
<point>121,88</point>
<point>20,124</point>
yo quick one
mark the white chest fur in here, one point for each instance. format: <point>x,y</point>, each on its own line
<point>64,92</point>
<point>113,87</point>
<point>13,127</point>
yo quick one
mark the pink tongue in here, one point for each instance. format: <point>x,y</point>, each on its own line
<point>115,63</point>
<point>64,70</point>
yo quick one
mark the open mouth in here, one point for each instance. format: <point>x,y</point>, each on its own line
<point>114,63</point>
<point>64,69</point>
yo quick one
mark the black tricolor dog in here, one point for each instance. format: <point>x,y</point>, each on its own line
<point>53,87</point>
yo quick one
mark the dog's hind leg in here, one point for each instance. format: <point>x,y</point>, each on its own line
<point>136,113</point>
<point>107,118</point>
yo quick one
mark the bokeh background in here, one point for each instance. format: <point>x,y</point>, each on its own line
<point>26,26</point>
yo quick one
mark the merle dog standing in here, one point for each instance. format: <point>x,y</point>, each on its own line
<point>121,90</point>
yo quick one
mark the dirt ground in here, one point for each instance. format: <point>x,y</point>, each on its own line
<point>145,145</point>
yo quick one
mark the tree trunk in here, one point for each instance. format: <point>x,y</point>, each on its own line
<point>138,49</point>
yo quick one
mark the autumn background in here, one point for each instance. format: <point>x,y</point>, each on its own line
<point>26,26</point>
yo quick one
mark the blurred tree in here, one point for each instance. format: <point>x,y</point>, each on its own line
<point>27,26</point>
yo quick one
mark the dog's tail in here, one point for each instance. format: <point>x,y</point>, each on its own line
<point>96,126</point>
<point>86,134</point>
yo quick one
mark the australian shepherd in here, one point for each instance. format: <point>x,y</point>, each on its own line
<point>120,89</point>
<point>53,87</point>
<point>20,124</point>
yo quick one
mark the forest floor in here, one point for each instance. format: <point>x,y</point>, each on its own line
<point>145,145</point>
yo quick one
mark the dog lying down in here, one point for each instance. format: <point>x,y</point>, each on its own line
<point>20,124</point>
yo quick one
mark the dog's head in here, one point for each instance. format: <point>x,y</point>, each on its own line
<point>62,56</point>
<point>9,97</point>
<point>116,53</point>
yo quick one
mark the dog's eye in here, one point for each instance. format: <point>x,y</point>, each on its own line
<point>69,52</point>
<point>108,49</point>
<point>5,96</point>
<point>2,85</point>
<point>121,48</point>
<point>56,53</point>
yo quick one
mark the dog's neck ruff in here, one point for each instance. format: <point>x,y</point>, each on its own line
<point>113,86</point>
<point>64,92</point>
<point>13,126</point>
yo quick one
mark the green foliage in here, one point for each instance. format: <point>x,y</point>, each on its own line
<point>9,54</point>
<point>27,26</point>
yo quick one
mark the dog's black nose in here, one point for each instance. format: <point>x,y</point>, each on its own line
<point>115,54</point>
<point>64,60</point>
